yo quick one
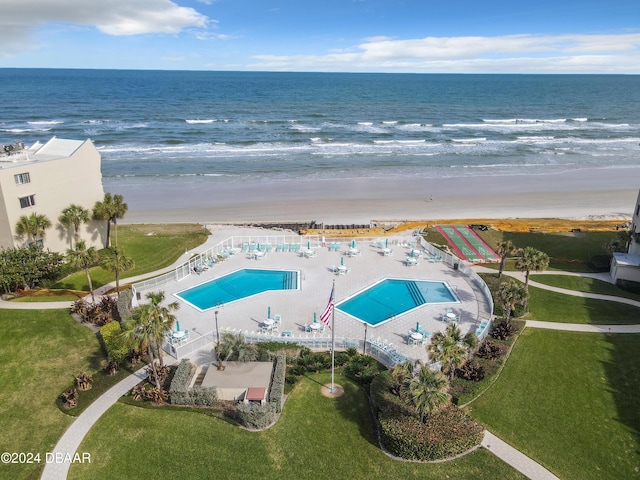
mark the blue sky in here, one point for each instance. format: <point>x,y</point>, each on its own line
<point>466,36</point>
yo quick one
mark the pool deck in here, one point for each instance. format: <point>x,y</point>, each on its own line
<point>297,307</point>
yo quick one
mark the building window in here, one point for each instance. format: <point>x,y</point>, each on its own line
<point>638,210</point>
<point>22,178</point>
<point>28,201</point>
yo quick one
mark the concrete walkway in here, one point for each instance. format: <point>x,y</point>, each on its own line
<point>515,458</point>
<point>70,441</point>
<point>574,293</point>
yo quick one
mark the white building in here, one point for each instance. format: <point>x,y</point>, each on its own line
<point>626,266</point>
<point>45,179</point>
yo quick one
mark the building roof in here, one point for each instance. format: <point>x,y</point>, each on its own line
<point>255,394</point>
<point>52,150</point>
<point>239,375</point>
<point>627,259</point>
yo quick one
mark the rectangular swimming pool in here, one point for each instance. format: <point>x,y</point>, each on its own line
<point>392,297</point>
<point>238,285</point>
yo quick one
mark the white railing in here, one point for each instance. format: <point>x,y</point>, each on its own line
<point>182,350</point>
<point>284,243</point>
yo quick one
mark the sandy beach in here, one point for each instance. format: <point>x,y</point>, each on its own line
<point>606,192</point>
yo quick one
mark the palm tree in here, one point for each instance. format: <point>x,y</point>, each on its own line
<point>140,334</point>
<point>83,257</point>
<point>33,226</point>
<point>161,317</point>
<point>509,295</point>
<point>115,261</point>
<point>504,249</point>
<point>427,391</point>
<point>74,216</point>
<point>110,209</point>
<point>529,259</point>
<point>450,349</point>
<point>234,347</point>
<point>401,374</point>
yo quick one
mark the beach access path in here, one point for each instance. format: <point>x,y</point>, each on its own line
<point>72,438</point>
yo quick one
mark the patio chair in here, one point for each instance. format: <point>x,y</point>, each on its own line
<point>277,318</point>
<point>286,333</point>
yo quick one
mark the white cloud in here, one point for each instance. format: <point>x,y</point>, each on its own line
<point>20,18</point>
<point>509,53</point>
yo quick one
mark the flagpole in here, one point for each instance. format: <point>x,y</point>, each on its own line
<point>333,335</point>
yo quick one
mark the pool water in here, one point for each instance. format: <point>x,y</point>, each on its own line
<point>238,285</point>
<point>392,297</point>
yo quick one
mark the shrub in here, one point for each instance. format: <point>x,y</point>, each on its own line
<point>157,395</point>
<point>489,350</point>
<point>83,381</point>
<point>446,433</point>
<point>503,331</point>
<point>362,369</point>
<point>628,285</point>
<point>70,398</point>
<point>202,396</point>
<point>256,416</point>
<point>471,370</point>
<point>181,394</point>
<point>113,343</point>
<point>123,304</point>
<point>138,392</point>
<point>276,391</point>
<point>111,368</point>
<point>97,313</point>
<point>162,371</point>
<point>384,400</point>
<point>180,383</point>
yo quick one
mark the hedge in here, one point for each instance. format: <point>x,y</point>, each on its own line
<point>256,416</point>
<point>116,348</point>
<point>447,433</point>
<point>276,392</point>
<point>181,394</point>
<point>123,305</point>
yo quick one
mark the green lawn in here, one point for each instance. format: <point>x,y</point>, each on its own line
<point>149,252</point>
<point>571,401</point>
<point>567,251</point>
<point>583,284</point>
<point>316,437</point>
<point>40,353</point>
<point>548,306</point>
<point>46,298</point>
<point>557,307</point>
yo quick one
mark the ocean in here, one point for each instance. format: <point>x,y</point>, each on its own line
<point>154,128</point>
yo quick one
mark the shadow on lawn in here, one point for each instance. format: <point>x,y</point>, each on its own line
<point>623,379</point>
<point>353,405</point>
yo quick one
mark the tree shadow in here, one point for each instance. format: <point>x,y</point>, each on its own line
<point>623,380</point>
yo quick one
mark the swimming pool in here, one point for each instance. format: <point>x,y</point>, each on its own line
<point>238,285</point>
<point>392,297</point>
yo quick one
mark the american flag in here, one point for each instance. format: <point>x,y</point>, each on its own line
<point>326,315</point>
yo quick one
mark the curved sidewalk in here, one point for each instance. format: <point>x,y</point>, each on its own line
<point>574,293</point>
<point>70,441</point>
